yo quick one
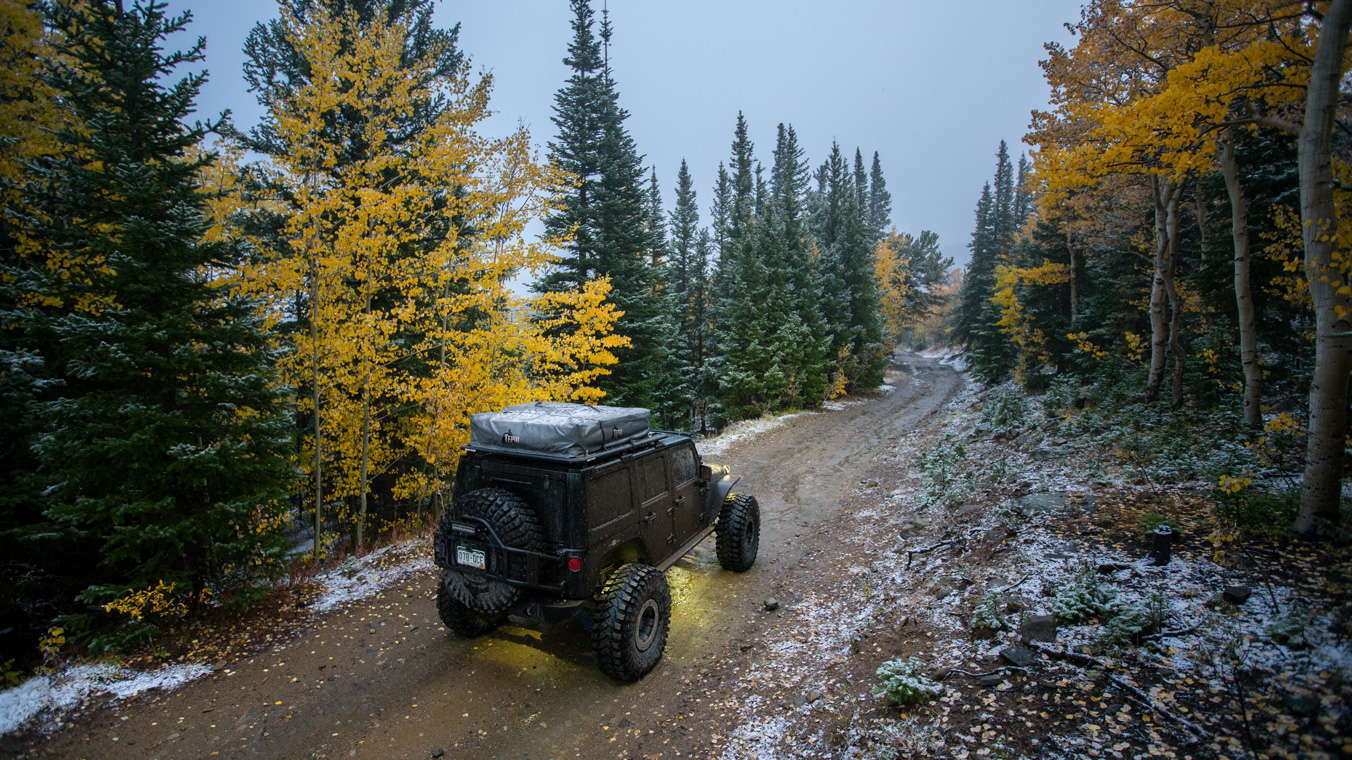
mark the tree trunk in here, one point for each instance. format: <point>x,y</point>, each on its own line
<point>1248,331</point>
<point>1320,497</point>
<point>1164,194</point>
<point>314,359</point>
<point>365,460</point>
<point>1175,303</point>
<point>1074,291</point>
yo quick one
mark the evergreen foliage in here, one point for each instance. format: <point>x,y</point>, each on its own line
<point>156,430</point>
<point>614,224</point>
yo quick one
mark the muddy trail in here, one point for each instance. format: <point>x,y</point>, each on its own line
<point>382,678</point>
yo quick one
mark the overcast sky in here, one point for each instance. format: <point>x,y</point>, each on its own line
<point>932,87</point>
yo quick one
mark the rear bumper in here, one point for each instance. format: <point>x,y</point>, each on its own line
<point>545,571</point>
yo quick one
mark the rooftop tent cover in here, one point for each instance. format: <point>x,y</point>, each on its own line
<point>550,427</point>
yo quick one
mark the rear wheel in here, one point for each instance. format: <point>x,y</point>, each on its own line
<point>516,526</point>
<point>633,614</point>
<point>738,532</point>
<point>462,620</point>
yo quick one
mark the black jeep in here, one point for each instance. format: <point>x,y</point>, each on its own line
<point>566,509</point>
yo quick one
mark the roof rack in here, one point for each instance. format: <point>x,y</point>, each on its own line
<point>648,440</point>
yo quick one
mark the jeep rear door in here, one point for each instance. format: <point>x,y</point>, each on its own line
<point>656,507</point>
<point>689,499</point>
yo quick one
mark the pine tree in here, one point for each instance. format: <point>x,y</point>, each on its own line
<point>789,187</point>
<point>687,272</point>
<point>879,201</point>
<point>657,223</point>
<point>1003,224</point>
<point>980,277</point>
<point>165,445</point>
<point>610,210</point>
<point>578,109</point>
<point>1023,195</point>
<point>991,354</point>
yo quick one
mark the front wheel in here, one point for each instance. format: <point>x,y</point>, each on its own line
<point>633,613</point>
<point>738,532</point>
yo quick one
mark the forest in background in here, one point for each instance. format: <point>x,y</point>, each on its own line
<point>221,345</point>
<point>1178,242</point>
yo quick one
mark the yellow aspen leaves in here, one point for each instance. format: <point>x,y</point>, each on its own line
<point>399,254</point>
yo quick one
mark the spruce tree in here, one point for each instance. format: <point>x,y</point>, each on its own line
<point>164,446</point>
<point>879,201</point>
<point>789,188</point>
<point>686,267</point>
<point>610,210</point>
<point>1003,223</point>
<point>578,109</point>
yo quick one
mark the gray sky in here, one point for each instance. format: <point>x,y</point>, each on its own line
<point>931,86</point>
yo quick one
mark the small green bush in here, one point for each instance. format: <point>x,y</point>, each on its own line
<point>1260,514</point>
<point>1007,413</point>
<point>1129,623</point>
<point>947,474</point>
<point>987,615</point>
<point>1152,520</point>
<point>904,682</point>
<point>1084,597</point>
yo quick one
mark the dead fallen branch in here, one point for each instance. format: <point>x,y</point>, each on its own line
<point>1013,585</point>
<point>1135,691</point>
<point>996,671</point>
<point>1168,634</point>
<point>910,553</point>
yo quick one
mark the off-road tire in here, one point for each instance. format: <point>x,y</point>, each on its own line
<point>633,614</point>
<point>463,621</point>
<point>515,524</point>
<point>738,532</point>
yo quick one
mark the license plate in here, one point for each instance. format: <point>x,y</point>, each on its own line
<point>470,557</point>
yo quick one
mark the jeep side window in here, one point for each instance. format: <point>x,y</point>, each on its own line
<point>654,477</point>
<point>683,465</point>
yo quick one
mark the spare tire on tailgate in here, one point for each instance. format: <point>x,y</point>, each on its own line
<point>514,523</point>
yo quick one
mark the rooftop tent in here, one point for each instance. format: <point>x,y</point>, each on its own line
<point>561,429</point>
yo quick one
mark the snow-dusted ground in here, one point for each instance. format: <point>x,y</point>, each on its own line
<point>832,621</point>
<point>748,429</point>
<point>45,699</point>
<point>741,431</point>
<point>49,696</point>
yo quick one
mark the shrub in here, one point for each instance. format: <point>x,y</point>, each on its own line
<point>1007,413</point>
<point>904,682</point>
<point>987,615</point>
<point>1133,621</point>
<point>1085,596</point>
<point>1149,521</point>
<point>947,474</point>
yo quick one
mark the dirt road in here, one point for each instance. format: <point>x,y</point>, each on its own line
<point>383,679</point>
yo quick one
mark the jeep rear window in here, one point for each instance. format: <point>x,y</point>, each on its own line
<point>682,465</point>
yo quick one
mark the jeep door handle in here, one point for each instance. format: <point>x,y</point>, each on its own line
<point>680,499</point>
<point>650,517</point>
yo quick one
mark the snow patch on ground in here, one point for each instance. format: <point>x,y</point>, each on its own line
<point>740,431</point>
<point>840,406</point>
<point>46,696</point>
<point>360,577</point>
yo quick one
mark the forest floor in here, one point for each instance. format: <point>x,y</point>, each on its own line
<point>864,560</point>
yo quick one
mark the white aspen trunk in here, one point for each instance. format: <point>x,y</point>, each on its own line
<point>319,441</point>
<point>1322,489</point>
<point>1161,193</point>
<point>1180,356</point>
<point>1248,331</point>
<point>365,460</point>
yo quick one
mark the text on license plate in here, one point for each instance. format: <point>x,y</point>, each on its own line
<point>470,557</point>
